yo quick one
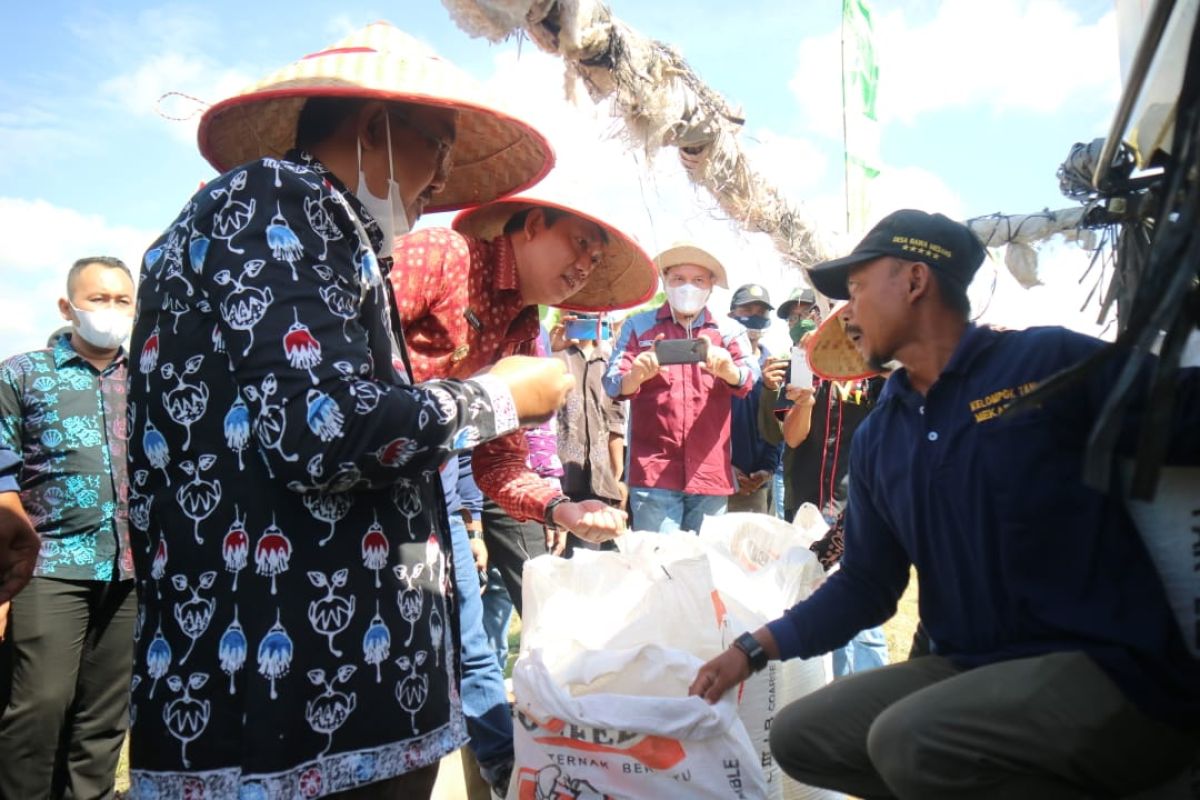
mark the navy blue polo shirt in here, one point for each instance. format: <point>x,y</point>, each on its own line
<point>1016,557</point>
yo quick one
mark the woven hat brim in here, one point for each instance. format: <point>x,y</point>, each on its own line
<point>691,254</point>
<point>494,153</point>
<point>623,279</point>
<point>832,355</point>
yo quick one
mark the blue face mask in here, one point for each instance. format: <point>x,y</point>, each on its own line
<point>755,323</point>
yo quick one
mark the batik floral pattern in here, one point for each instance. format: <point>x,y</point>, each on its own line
<point>63,435</point>
<point>294,545</point>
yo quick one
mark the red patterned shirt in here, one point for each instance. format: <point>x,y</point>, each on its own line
<point>462,311</point>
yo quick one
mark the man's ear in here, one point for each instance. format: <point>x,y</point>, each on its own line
<point>535,223</point>
<point>370,125</point>
<point>920,276</point>
<point>64,308</point>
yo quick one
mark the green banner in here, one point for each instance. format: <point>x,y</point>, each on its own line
<point>860,84</point>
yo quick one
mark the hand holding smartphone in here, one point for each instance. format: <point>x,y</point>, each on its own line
<point>801,373</point>
<point>681,351</point>
<point>584,330</point>
<point>775,371</point>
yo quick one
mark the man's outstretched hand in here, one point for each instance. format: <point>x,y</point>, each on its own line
<point>730,668</point>
<point>590,520</point>
<point>539,386</point>
<point>720,675</point>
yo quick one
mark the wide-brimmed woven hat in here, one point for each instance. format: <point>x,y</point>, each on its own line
<point>494,154</point>
<point>625,277</point>
<point>832,354</point>
<point>688,253</point>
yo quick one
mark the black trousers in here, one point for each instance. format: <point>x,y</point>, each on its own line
<point>510,544</point>
<point>70,650</point>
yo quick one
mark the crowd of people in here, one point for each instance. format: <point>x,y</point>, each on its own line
<point>268,512</point>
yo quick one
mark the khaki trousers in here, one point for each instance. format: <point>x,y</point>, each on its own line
<point>1052,726</point>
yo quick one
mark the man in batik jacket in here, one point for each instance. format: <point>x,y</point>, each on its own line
<point>297,637</point>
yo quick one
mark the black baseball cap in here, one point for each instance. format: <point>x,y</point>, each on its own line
<point>751,293</point>
<point>800,294</point>
<point>948,247</point>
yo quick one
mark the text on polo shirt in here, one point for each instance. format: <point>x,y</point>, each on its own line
<point>994,404</point>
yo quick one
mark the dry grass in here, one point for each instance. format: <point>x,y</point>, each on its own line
<point>899,629</point>
<point>123,770</point>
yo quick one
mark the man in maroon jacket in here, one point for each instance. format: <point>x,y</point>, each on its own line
<point>680,465</point>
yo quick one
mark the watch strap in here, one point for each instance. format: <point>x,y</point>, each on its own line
<point>754,651</point>
<point>548,516</point>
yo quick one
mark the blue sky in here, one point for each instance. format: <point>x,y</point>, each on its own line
<point>979,103</point>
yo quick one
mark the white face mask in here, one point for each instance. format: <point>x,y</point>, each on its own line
<point>387,211</point>
<point>105,328</point>
<point>687,298</point>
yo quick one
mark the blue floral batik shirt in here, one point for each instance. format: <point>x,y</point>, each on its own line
<point>63,433</point>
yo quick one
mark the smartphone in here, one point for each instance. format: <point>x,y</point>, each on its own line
<point>582,329</point>
<point>681,351</point>
<point>801,372</point>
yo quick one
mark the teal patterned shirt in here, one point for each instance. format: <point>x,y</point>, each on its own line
<point>63,434</point>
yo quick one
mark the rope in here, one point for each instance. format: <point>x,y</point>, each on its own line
<point>201,106</point>
<point>663,103</point>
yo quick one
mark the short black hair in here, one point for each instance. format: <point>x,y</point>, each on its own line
<point>552,215</point>
<point>954,294</point>
<point>105,261</point>
<point>320,117</point>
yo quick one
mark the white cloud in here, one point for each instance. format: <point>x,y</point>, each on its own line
<point>1061,299</point>
<point>139,89</point>
<point>796,166</point>
<point>155,52</point>
<point>38,244</point>
<point>36,126</point>
<point>174,86</point>
<point>816,84</point>
<point>601,171</point>
<point>597,170</point>
<point>912,187</point>
<point>1031,55</point>
<point>342,25</point>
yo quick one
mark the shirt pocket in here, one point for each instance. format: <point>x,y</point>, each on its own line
<point>1021,461</point>
<point>1031,490</point>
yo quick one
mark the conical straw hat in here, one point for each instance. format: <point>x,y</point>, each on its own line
<point>831,353</point>
<point>625,278</point>
<point>494,154</point>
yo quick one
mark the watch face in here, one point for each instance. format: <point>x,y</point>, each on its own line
<point>754,651</point>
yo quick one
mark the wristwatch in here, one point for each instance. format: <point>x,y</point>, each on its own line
<point>754,651</point>
<point>548,517</point>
